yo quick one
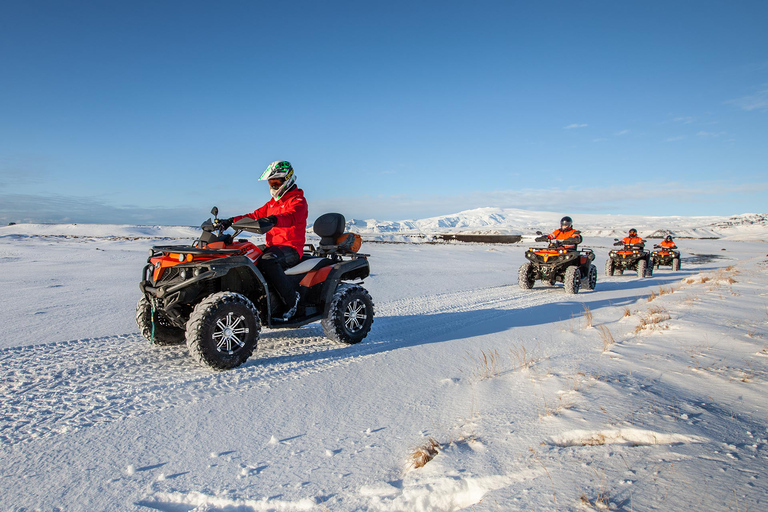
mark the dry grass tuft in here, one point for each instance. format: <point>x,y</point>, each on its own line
<point>666,291</point>
<point>627,312</point>
<point>487,366</point>
<point>651,297</point>
<point>587,316</point>
<point>520,357</point>
<point>655,316</point>
<point>606,337</point>
<point>423,454</point>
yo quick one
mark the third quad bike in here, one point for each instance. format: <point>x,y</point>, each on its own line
<point>665,256</point>
<point>212,295</point>
<point>560,262</point>
<point>629,257</point>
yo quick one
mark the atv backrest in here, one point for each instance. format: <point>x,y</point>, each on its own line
<point>329,227</point>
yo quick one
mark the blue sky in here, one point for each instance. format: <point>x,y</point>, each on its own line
<point>153,111</point>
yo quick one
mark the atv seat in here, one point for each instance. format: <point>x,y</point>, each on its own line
<point>329,227</point>
<point>308,264</point>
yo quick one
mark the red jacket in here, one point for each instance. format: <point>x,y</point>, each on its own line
<point>291,212</point>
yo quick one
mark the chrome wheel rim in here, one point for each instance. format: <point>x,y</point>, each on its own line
<point>230,333</point>
<point>355,315</point>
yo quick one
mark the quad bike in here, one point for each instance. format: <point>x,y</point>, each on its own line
<point>560,262</point>
<point>629,257</point>
<point>212,295</point>
<point>665,256</point>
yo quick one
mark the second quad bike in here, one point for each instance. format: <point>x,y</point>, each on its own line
<point>629,257</point>
<point>560,262</point>
<point>665,256</point>
<point>212,294</point>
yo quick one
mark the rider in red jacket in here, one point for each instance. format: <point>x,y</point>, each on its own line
<point>287,211</point>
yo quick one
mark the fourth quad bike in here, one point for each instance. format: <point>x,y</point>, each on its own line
<point>665,256</point>
<point>212,295</point>
<point>629,257</point>
<point>558,263</point>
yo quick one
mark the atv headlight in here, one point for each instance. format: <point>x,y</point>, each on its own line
<point>181,257</point>
<point>183,273</point>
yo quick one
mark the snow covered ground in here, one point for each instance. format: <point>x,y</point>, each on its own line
<point>646,394</point>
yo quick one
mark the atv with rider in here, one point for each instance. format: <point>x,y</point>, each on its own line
<point>561,261</point>
<point>212,295</point>
<point>629,257</point>
<point>666,254</point>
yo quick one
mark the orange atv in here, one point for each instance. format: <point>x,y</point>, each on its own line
<point>212,295</point>
<point>560,262</point>
<point>666,256</point>
<point>629,257</point>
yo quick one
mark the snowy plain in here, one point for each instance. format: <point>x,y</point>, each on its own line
<point>645,394</point>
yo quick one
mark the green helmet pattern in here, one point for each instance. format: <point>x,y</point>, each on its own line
<point>276,170</point>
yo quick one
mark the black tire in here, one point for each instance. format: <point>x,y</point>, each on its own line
<point>526,276</point>
<point>619,272</point>
<point>675,264</point>
<point>163,332</point>
<point>609,267</point>
<point>572,280</point>
<point>591,280</point>
<point>350,315</point>
<point>223,330</point>
<point>642,270</point>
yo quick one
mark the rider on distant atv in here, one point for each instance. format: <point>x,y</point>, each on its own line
<point>633,240</point>
<point>569,237</point>
<point>287,211</point>
<point>668,243</point>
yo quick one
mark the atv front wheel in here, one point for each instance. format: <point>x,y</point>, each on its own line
<point>641,269</point>
<point>156,327</point>
<point>350,315</point>
<point>526,276</point>
<point>572,280</point>
<point>223,330</point>
<point>591,278</point>
<point>609,267</point>
<point>675,264</point>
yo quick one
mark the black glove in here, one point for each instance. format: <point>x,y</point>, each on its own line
<point>618,243</point>
<point>223,224</point>
<point>267,223</point>
<point>541,238</point>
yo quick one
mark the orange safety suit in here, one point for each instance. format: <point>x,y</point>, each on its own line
<point>559,234</point>
<point>668,245</point>
<point>634,240</point>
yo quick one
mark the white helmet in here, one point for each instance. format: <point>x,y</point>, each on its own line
<point>280,176</point>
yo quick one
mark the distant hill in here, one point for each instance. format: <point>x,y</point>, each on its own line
<point>484,221</point>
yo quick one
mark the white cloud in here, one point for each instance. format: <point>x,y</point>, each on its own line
<point>757,101</point>
<point>572,126</point>
<point>622,132</point>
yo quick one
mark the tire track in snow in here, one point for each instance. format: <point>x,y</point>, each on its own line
<point>53,388</point>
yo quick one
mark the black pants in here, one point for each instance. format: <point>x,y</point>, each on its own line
<point>272,264</point>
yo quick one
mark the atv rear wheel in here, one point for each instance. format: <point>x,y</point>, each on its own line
<point>642,270</point>
<point>572,280</point>
<point>156,327</point>
<point>591,278</point>
<point>609,267</point>
<point>223,330</point>
<point>526,276</point>
<point>675,264</point>
<point>350,315</point>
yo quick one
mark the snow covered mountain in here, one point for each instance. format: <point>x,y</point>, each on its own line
<point>487,221</point>
<point>512,221</point>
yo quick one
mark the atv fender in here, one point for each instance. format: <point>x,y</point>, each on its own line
<point>346,270</point>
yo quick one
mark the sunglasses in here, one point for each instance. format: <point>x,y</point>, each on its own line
<point>275,184</point>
